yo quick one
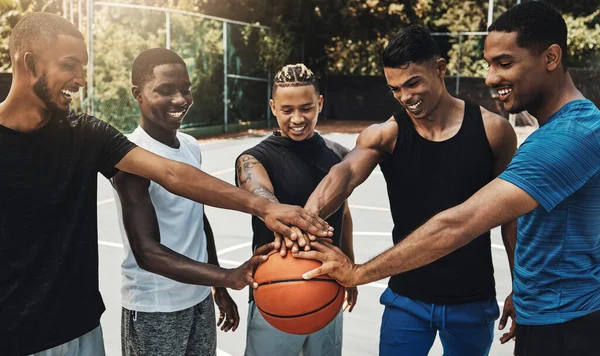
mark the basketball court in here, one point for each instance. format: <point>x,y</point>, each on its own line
<point>233,234</point>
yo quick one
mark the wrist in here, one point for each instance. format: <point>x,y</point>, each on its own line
<point>358,275</point>
<point>260,207</point>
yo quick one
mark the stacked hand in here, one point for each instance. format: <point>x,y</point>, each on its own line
<point>242,276</point>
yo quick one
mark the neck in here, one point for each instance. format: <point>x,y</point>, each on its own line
<point>445,113</point>
<point>557,95</point>
<point>162,135</point>
<point>23,111</point>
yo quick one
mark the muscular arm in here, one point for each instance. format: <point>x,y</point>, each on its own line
<point>347,241</point>
<point>371,147</point>
<point>252,177</point>
<point>141,226</point>
<point>497,203</point>
<point>187,181</point>
<point>503,141</point>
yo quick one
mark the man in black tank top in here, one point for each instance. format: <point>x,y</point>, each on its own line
<point>286,167</point>
<point>434,153</point>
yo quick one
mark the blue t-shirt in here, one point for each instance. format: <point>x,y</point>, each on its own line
<point>557,258</point>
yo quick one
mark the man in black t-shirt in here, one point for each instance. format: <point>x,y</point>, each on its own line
<point>50,158</point>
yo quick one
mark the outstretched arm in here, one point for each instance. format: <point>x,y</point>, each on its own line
<point>503,141</point>
<point>141,226</point>
<point>497,203</point>
<point>371,146</point>
<point>190,182</point>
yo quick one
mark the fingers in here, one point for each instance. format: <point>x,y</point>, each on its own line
<point>313,224</point>
<point>311,255</point>
<point>221,317</point>
<point>503,320</point>
<point>277,241</point>
<point>314,273</point>
<point>265,249</point>
<point>353,299</point>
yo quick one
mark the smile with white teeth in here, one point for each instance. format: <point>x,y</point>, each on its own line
<point>176,114</point>
<point>68,93</point>
<point>298,128</point>
<point>415,106</point>
<point>504,91</point>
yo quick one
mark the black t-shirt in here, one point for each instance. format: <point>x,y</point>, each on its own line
<point>295,168</point>
<point>48,230</point>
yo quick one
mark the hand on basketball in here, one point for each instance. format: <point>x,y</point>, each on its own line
<point>335,263</point>
<point>351,297</point>
<point>242,276</point>
<point>228,312</point>
<point>280,218</point>
<point>300,241</point>
<point>508,311</point>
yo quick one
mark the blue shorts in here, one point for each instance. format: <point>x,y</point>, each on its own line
<point>409,327</point>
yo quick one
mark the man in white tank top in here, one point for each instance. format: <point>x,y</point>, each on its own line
<point>170,257</point>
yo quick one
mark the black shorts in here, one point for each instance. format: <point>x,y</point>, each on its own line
<point>577,337</point>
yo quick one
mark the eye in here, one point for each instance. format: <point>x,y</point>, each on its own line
<point>413,84</point>
<point>307,109</point>
<point>505,65</point>
<point>286,111</point>
<point>67,66</point>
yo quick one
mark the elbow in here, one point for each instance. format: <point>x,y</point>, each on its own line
<point>453,230</point>
<point>144,259</point>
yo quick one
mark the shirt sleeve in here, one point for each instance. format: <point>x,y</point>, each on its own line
<point>554,165</point>
<point>112,146</point>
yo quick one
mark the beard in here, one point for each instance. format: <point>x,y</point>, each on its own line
<point>40,88</point>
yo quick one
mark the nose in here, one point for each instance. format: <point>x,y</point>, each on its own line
<point>80,79</point>
<point>179,99</point>
<point>491,77</point>
<point>405,96</point>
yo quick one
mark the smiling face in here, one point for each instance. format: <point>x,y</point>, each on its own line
<point>297,110</point>
<point>166,97</point>
<point>418,87</point>
<point>516,73</point>
<point>57,71</point>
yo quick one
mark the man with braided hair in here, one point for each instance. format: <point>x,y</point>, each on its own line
<point>286,167</point>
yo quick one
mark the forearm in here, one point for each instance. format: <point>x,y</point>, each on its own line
<point>159,259</point>
<point>509,238</point>
<point>187,181</point>
<point>332,191</point>
<point>347,238</point>
<point>441,235</point>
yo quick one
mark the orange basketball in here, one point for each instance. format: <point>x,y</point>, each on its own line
<point>290,303</point>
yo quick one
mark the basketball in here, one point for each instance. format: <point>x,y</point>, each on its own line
<point>290,303</point>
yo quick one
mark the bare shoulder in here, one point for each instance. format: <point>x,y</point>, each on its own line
<point>499,131</point>
<point>381,136</point>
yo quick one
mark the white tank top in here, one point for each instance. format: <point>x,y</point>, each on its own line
<point>181,229</point>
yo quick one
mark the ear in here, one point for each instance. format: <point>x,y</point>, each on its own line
<point>440,66</point>
<point>30,60</point>
<point>320,103</point>
<point>553,57</point>
<point>137,93</point>
<point>272,105</point>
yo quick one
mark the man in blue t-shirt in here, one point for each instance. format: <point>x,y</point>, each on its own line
<point>552,185</point>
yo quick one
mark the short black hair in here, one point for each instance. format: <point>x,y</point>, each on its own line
<point>538,26</point>
<point>143,65</point>
<point>412,44</point>
<point>37,28</point>
<point>294,75</point>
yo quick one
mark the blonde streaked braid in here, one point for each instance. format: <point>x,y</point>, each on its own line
<point>294,75</point>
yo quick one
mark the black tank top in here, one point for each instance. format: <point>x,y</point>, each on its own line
<point>424,178</point>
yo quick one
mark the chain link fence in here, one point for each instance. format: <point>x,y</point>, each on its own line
<point>229,84</point>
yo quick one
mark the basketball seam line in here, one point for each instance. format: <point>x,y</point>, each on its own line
<point>304,314</point>
<point>296,280</point>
